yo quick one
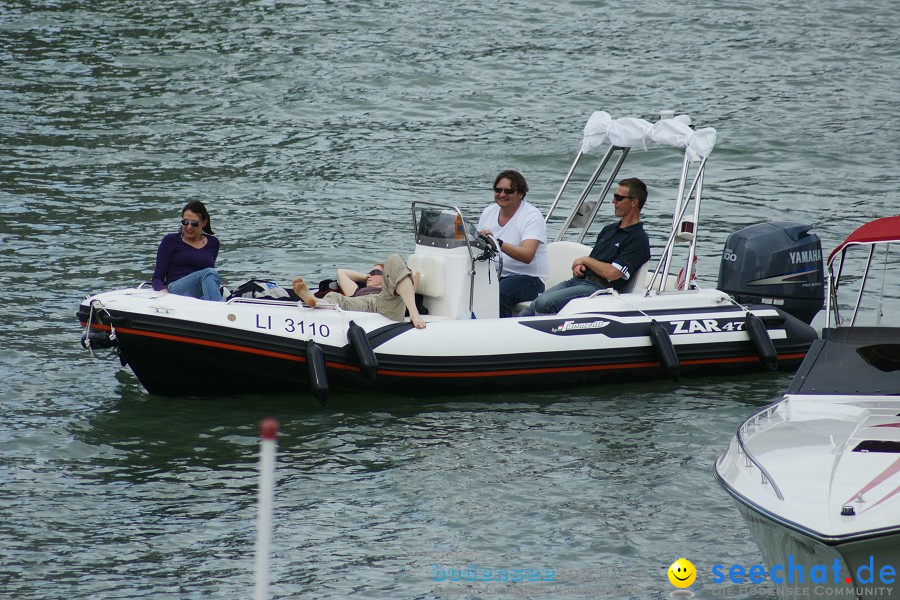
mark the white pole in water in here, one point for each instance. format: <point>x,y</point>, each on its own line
<point>268,432</point>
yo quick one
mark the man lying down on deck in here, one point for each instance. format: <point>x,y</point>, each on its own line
<point>398,294</point>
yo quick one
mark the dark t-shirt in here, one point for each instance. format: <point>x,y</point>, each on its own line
<point>365,291</point>
<point>626,249</point>
<point>175,258</point>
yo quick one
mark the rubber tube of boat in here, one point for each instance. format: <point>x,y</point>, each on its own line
<point>318,378</point>
<point>659,337</point>
<point>759,335</point>
<point>359,341</point>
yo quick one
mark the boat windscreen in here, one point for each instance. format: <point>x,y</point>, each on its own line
<point>888,446</point>
<point>884,357</point>
<point>441,228</point>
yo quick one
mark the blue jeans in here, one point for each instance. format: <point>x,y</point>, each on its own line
<point>203,284</point>
<point>552,301</point>
<point>518,288</point>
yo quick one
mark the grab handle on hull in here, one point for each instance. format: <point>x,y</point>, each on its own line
<point>318,378</point>
<point>359,341</point>
<point>117,321</point>
<point>759,335</point>
<point>659,337</point>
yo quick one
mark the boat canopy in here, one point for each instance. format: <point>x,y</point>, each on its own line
<point>886,229</point>
<point>621,136</point>
<point>880,231</point>
<point>629,132</point>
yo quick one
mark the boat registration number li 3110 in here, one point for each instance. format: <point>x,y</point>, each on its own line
<point>290,325</point>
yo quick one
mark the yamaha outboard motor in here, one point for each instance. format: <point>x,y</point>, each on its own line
<point>775,263</point>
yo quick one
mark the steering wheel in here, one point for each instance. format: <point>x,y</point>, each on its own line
<point>492,246</point>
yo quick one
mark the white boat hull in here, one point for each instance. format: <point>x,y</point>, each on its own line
<point>784,546</point>
<point>817,479</point>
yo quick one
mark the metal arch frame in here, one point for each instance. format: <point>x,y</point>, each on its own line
<point>682,202</point>
<point>831,304</point>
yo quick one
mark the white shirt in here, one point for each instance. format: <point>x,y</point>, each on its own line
<point>526,224</point>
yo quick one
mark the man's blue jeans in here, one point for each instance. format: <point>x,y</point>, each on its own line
<point>552,301</point>
<point>203,284</point>
<point>518,288</point>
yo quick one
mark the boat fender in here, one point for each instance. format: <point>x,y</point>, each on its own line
<point>97,340</point>
<point>759,335</point>
<point>318,378</point>
<point>659,337</point>
<point>359,341</point>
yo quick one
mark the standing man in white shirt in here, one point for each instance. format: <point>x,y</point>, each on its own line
<point>521,232</point>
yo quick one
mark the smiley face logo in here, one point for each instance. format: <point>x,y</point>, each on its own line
<point>682,573</point>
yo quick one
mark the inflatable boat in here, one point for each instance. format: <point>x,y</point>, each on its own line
<point>663,325</point>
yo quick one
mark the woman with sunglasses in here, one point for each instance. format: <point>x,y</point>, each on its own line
<point>521,232</point>
<point>186,259</point>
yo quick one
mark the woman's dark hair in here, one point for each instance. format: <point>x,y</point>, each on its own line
<point>195,206</point>
<point>518,181</point>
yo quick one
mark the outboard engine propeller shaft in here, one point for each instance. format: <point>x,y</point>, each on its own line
<point>775,263</point>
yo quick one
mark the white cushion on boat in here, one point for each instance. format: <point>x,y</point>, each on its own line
<point>561,256</point>
<point>638,280</point>
<point>431,274</point>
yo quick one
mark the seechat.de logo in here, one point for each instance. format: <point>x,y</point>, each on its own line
<point>796,573</point>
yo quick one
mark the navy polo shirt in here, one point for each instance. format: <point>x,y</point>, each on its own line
<point>626,249</point>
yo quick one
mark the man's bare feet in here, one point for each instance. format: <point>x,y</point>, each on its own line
<point>302,290</point>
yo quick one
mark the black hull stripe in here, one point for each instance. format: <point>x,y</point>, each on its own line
<point>466,367</point>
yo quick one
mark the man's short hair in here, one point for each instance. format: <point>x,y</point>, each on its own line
<point>636,189</point>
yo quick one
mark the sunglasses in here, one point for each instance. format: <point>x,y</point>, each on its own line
<point>619,198</point>
<point>375,272</point>
<point>507,191</point>
<point>186,222</point>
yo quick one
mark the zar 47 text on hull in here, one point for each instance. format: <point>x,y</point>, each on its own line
<point>816,475</point>
<point>658,328</point>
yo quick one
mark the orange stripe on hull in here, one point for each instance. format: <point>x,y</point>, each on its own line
<point>196,342</point>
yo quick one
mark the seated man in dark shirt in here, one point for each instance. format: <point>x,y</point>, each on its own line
<point>620,251</point>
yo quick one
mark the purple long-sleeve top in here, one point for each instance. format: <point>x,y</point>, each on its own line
<point>175,258</point>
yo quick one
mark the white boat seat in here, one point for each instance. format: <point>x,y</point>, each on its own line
<point>638,280</point>
<point>431,274</point>
<point>561,255</point>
